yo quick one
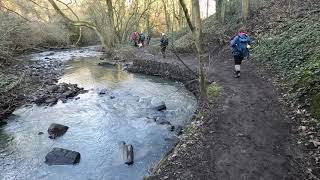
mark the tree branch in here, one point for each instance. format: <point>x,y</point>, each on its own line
<point>75,23</point>
<point>185,10</point>
<point>10,10</point>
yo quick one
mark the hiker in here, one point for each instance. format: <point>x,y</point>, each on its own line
<point>240,49</point>
<point>163,44</point>
<point>134,39</point>
<point>142,38</point>
<point>148,39</point>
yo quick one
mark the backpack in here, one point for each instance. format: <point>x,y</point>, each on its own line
<point>164,41</point>
<point>142,37</point>
<point>242,44</point>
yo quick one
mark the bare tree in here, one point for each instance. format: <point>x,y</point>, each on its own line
<point>245,9</point>
<point>88,24</point>
<point>196,29</point>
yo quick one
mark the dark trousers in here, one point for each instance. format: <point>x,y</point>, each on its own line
<point>238,60</point>
<point>163,50</point>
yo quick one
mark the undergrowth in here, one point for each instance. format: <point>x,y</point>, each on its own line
<point>293,52</point>
<point>214,90</point>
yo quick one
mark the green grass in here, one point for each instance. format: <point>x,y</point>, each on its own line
<point>214,90</point>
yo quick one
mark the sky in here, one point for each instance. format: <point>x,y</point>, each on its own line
<point>203,7</point>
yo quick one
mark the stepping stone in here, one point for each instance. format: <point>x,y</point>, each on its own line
<point>59,156</point>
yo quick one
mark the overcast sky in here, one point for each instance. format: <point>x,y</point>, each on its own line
<point>203,7</point>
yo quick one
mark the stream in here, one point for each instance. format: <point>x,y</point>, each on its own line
<point>97,123</point>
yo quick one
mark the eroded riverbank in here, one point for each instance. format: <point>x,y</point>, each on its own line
<point>27,74</point>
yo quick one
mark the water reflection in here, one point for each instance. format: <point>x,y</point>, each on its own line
<point>86,73</point>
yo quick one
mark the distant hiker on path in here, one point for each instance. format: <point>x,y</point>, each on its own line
<point>148,39</point>
<point>163,44</point>
<point>134,38</point>
<point>142,38</point>
<point>240,49</point>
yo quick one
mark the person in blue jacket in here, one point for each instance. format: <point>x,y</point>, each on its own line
<point>240,49</point>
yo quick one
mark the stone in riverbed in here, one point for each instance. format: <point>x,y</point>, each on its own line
<point>103,91</point>
<point>162,106</point>
<point>2,123</point>
<point>130,155</point>
<point>51,101</point>
<point>171,128</point>
<point>50,54</point>
<point>107,64</point>
<point>56,130</point>
<point>162,121</point>
<point>179,130</point>
<point>69,93</point>
<point>59,156</point>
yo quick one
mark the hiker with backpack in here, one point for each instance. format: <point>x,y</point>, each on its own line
<point>163,44</point>
<point>240,49</point>
<point>148,39</point>
<point>142,38</point>
<point>134,38</point>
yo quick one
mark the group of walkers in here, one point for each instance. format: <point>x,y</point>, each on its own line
<point>240,46</point>
<point>138,39</point>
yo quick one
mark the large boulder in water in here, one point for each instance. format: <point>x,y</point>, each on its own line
<point>59,156</point>
<point>56,130</point>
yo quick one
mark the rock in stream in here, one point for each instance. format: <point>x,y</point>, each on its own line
<point>59,156</point>
<point>56,130</point>
<point>51,94</point>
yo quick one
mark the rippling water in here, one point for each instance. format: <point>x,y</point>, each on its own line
<point>97,124</point>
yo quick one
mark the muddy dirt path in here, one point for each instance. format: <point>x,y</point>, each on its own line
<point>245,135</point>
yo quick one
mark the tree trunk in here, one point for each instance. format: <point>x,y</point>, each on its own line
<point>198,40</point>
<point>192,12</point>
<point>174,24</point>
<point>147,17</point>
<point>167,17</point>
<point>181,24</point>
<point>245,9</point>
<point>207,8</point>
<point>112,29</point>
<point>218,9</point>
<point>223,10</point>
<point>196,29</point>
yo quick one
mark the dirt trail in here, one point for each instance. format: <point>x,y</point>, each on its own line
<point>246,135</point>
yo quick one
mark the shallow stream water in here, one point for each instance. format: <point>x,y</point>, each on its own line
<point>97,123</point>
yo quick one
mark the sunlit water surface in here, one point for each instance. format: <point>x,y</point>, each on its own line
<point>97,124</point>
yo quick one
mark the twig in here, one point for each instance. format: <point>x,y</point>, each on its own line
<point>10,10</point>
